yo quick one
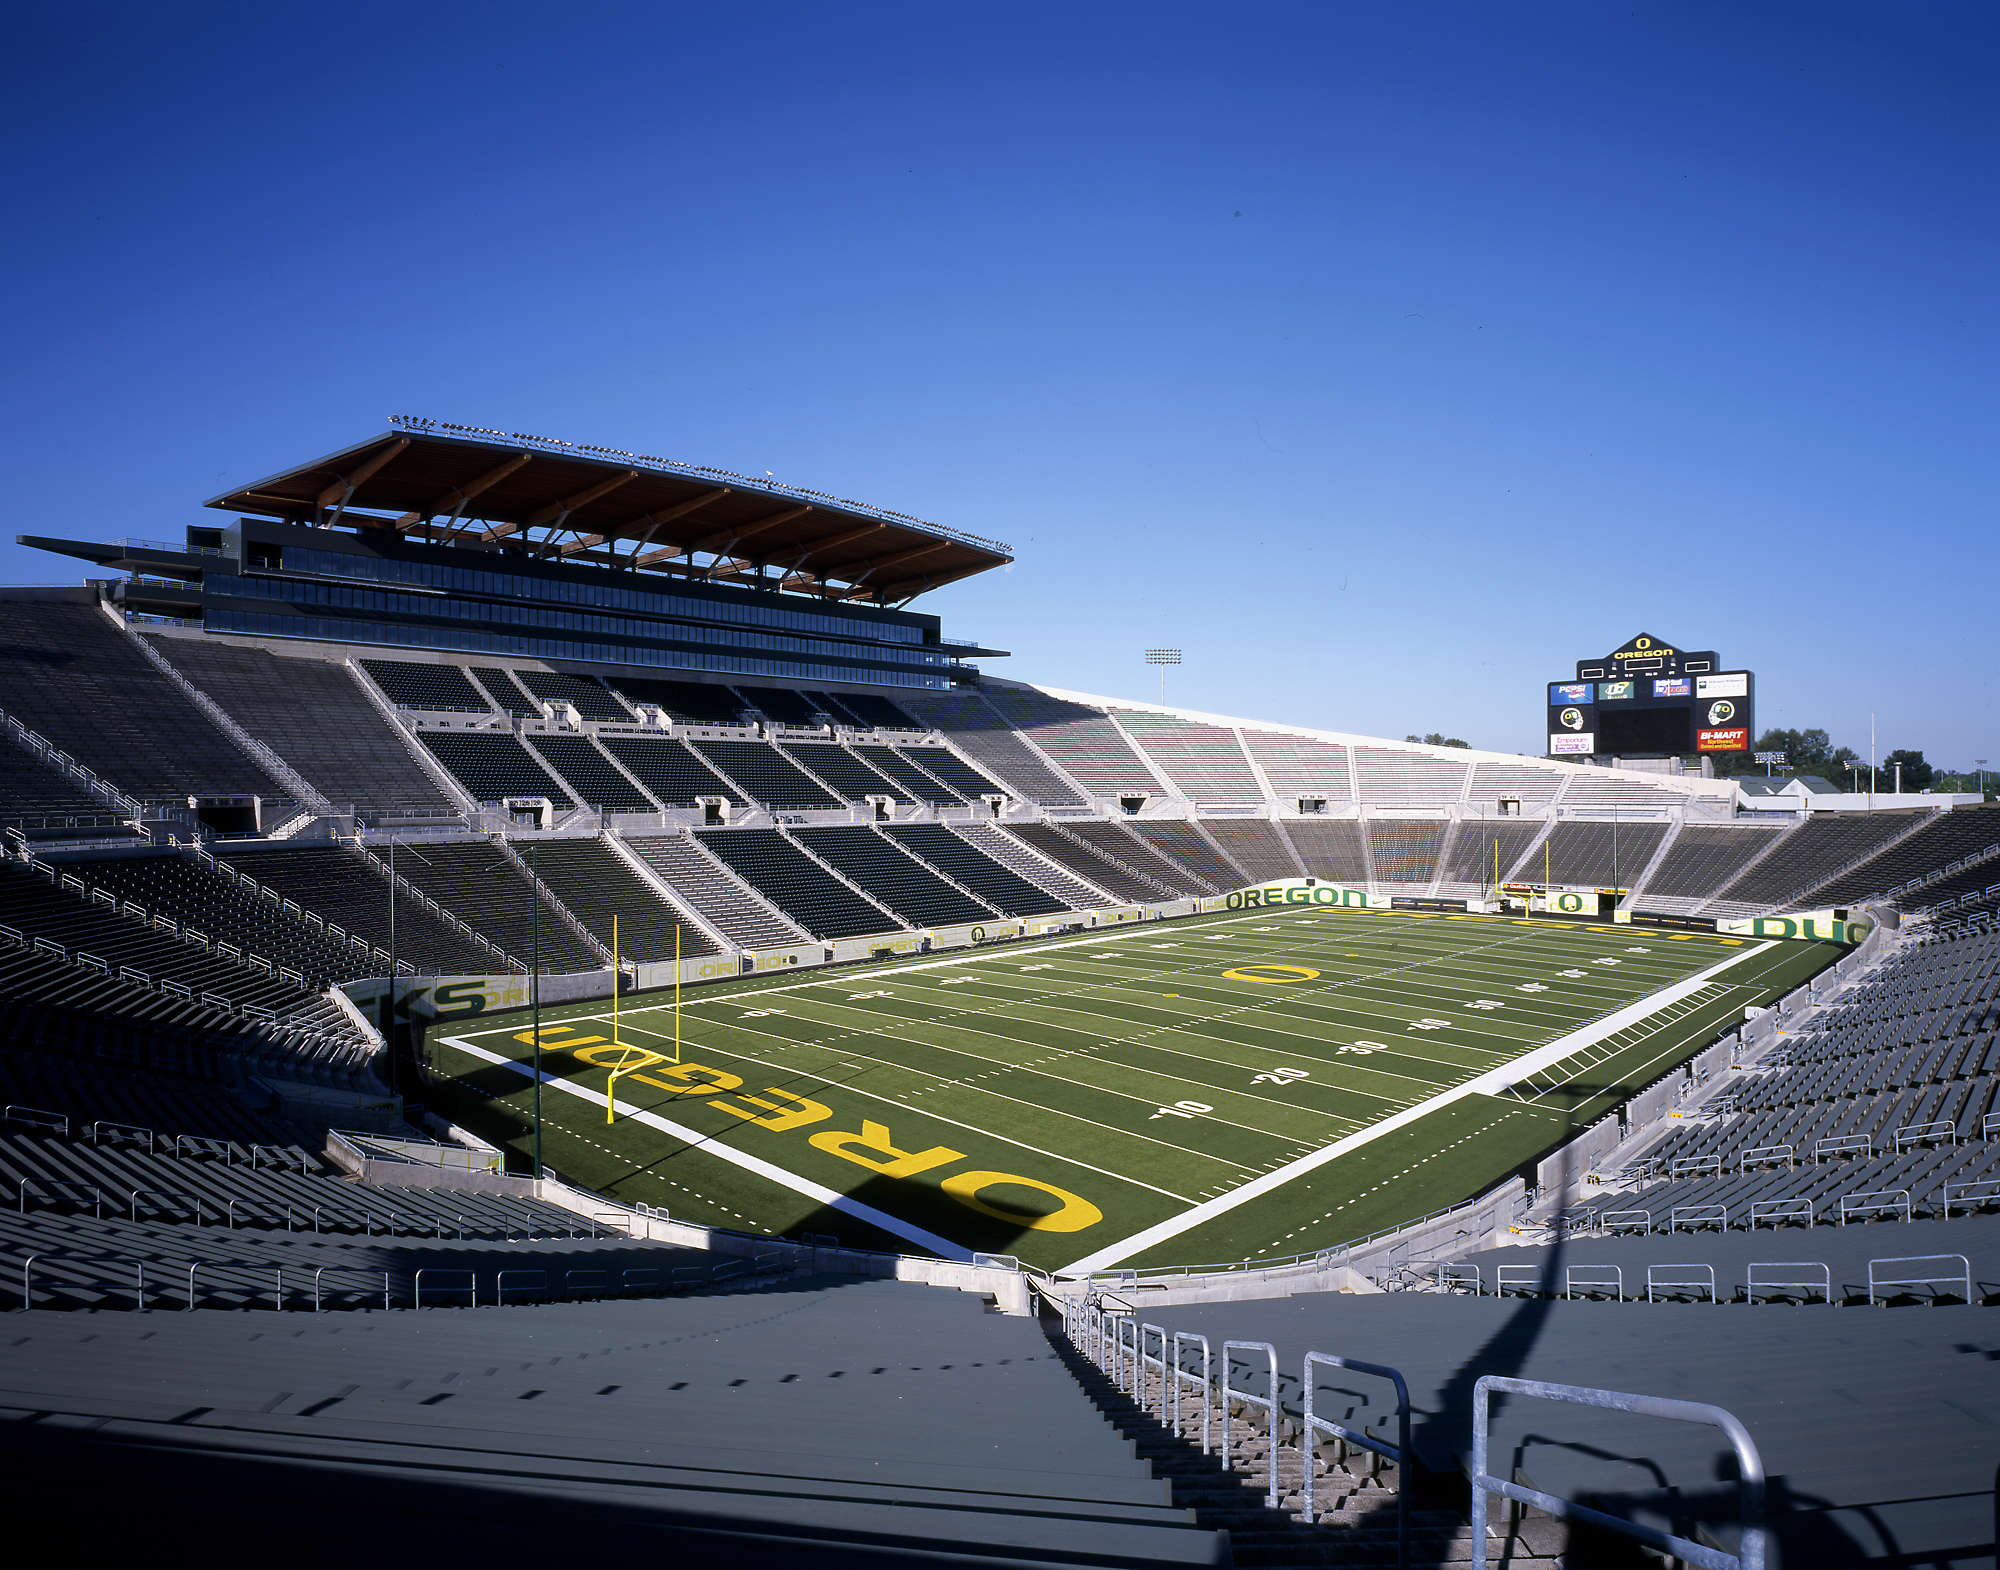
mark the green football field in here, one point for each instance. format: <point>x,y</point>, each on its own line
<point>1249,1085</point>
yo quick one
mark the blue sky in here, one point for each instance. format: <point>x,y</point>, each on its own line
<point>1386,359</point>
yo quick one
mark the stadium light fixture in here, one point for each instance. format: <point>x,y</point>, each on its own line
<point>1163,658</point>
<point>1769,758</point>
<point>1981,762</point>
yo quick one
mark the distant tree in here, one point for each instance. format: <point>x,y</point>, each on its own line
<point>1806,752</point>
<point>1966,782</point>
<point>1917,774</point>
<point>1438,739</point>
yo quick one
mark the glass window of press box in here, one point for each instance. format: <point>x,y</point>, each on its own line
<point>603,596</point>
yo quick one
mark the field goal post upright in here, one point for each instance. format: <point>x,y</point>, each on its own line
<point>645,1057</point>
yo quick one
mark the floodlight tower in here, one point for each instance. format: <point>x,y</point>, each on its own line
<point>1163,658</point>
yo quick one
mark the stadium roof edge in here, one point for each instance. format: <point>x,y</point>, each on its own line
<point>564,501</point>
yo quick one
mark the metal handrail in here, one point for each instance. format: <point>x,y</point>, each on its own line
<point>1963,1274</point>
<point>1625,1220</point>
<point>1313,1424</point>
<point>1962,1197</point>
<point>1654,1279</point>
<point>1109,1318</point>
<point>37,1117</point>
<point>1698,1216</point>
<point>1450,1276</point>
<point>1916,1133</point>
<point>1571,1283</point>
<point>1182,1376</point>
<point>1160,1363</point>
<point>100,1128</point>
<point>1869,1200</point>
<point>96,1193</point>
<point>1776,1210</point>
<point>1269,1403</point>
<point>1505,1276</point>
<point>323,1269</point>
<point>1751,1283</point>
<point>1750,1471</point>
<point>471,1286</point>
<point>540,1283</point>
<point>28,1282</point>
<point>1118,1354</point>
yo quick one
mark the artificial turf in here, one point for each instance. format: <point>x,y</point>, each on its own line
<point>1055,1099</point>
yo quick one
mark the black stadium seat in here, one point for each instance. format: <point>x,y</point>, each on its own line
<point>795,883</point>
<point>493,767</point>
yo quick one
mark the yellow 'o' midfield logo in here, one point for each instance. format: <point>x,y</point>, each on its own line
<point>1285,974</point>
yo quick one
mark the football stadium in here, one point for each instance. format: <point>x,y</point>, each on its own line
<point>540,978</point>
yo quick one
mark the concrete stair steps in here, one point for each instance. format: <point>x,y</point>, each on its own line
<point>1354,1496</point>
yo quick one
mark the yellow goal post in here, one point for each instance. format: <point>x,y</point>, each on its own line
<point>632,1061</point>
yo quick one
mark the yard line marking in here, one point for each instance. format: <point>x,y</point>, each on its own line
<point>1495,1079</point>
<point>1196,1028</point>
<point>1027,1067</point>
<point>1357,930</point>
<point>818,1192</point>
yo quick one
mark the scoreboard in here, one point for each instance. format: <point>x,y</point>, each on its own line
<point>1649,698</point>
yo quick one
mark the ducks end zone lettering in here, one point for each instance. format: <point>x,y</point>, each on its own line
<point>871,1146</point>
<point>1819,926</point>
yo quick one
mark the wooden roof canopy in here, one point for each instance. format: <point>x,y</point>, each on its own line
<point>560,501</point>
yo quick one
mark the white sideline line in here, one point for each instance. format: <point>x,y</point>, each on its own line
<point>1492,1080</point>
<point>714,1147</point>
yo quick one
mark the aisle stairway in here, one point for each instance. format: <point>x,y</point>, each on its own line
<point>1354,1495</point>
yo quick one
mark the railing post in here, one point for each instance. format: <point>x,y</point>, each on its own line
<point>1749,1464</point>
<point>1312,1424</point>
<point>1162,1334</point>
<point>1207,1386</point>
<point>1268,1402</point>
